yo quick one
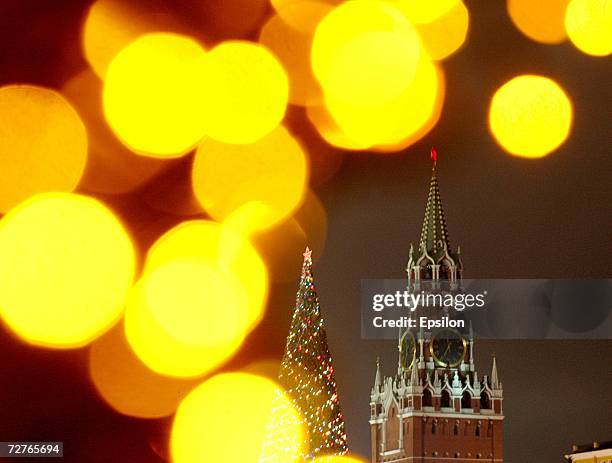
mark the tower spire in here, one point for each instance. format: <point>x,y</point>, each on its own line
<point>400,367</point>
<point>432,258</point>
<point>378,379</point>
<point>494,375</point>
<point>434,235</point>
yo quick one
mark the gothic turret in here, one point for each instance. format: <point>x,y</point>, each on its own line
<point>495,384</point>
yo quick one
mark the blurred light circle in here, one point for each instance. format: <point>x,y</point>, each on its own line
<point>292,47</point>
<point>271,172</point>
<point>112,24</point>
<point>210,240</point>
<point>579,306</point>
<point>43,144</point>
<point>221,19</point>
<point>111,167</point>
<point>419,12</point>
<point>541,21</point>
<point>365,51</point>
<point>154,95</point>
<point>304,15</point>
<point>425,121</point>
<point>372,68</point>
<point>247,92</point>
<point>66,264</point>
<point>530,116</point>
<point>196,301</point>
<point>329,130</point>
<point>444,36</point>
<point>245,404</point>
<point>287,5</point>
<point>127,385</point>
<point>267,367</point>
<point>282,246</point>
<point>589,26</point>
<point>186,317</point>
<point>394,121</point>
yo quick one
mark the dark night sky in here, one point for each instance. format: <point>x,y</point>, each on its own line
<point>514,218</point>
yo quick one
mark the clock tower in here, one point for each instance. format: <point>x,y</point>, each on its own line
<point>436,408</point>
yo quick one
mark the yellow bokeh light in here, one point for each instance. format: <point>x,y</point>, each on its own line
<point>329,130</point>
<point>111,167</point>
<point>419,12</point>
<point>272,172</point>
<point>446,34</point>
<point>530,116</point>
<point>210,240</point>
<point>43,144</point>
<point>398,119</point>
<point>365,52</point>
<point>541,21</point>
<point>589,26</point>
<point>304,15</point>
<point>373,68</point>
<point>154,95</point>
<point>196,302</point>
<point>240,402</point>
<point>186,317</point>
<point>287,5</point>
<point>66,265</point>
<point>127,385</point>
<point>112,24</point>
<point>293,49</point>
<point>247,92</point>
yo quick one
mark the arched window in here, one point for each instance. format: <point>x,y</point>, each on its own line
<point>477,432</point>
<point>426,270</point>
<point>456,429</point>
<point>445,271</point>
<point>434,427</point>
<point>485,400</point>
<point>445,400</point>
<point>466,400</point>
<point>427,398</point>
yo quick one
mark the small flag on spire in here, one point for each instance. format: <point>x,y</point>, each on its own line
<point>434,155</point>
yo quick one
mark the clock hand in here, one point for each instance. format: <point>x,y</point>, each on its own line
<point>447,349</point>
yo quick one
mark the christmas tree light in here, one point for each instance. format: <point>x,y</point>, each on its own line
<point>307,375</point>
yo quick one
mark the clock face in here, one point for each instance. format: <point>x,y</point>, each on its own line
<point>407,349</point>
<point>448,348</point>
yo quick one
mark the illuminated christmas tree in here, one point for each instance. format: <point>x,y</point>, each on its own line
<point>307,374</point>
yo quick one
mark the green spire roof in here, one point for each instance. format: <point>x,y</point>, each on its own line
<point>434,234</point>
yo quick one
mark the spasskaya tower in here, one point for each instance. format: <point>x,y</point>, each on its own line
<point>436,408</point>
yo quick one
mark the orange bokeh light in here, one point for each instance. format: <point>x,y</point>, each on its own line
<point>43,144</point>
<point>127,385</point>
<point>111,167</point>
